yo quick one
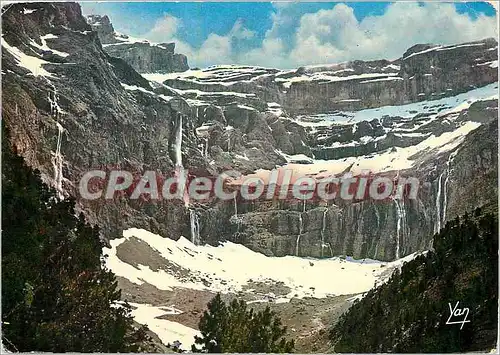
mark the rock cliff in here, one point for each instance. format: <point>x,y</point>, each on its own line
<point>143,56</point>
<point>74,101</point>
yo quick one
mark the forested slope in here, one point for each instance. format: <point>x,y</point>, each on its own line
<point>409,313</point>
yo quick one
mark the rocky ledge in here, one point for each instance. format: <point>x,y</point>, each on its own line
<point>71,107</point>
<point>142,55</point>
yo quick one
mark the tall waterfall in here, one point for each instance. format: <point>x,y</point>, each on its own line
<point>446,181</point>
<point>401,224</point>
<point>377,214</point>
<point>57,163</point>
<point>55,109</point>
<point>195,227</point>
<point>178,144</point>
<point>57,159</point>
<point>235,217</point>
<point>437,226</point>
<point>323,229</point>
<point>205,152</point>
<point>298,237</point>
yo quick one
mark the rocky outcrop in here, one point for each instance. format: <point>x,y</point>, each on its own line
<point>143,56</point>
<point>148,58</point>
<point>431,72</point>
<point>79,104</point>
<point>452,183</point>
<point>71,105</point>
<point>104,28</point>
<point>424,72</point>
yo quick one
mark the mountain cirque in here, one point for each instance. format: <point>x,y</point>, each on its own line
<point>430,114</point>
<point>140,54</point>
<point>78,96</point>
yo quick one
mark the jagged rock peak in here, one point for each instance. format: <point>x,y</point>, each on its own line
<point>428,47</point>
<point>142,55</point>
<point>38,17</point>
<point>104,28</point>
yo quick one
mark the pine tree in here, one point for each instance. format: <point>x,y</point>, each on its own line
<point>56,294</point>
<point>235,328</point>
<point>212,325</point>
<point>409,312</point>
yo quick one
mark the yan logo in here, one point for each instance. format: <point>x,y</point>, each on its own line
<point>456,312</point>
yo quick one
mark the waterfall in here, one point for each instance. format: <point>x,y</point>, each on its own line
<point>323,228</point>
<point>304,206</point>
<point>329,247</point>
<point>195,227</point>
<point>446,181</point>
<point>237,219</point>
<point>54,106</point>
<point>235,206</point>
<point>442,194</point>
<point>298,237</point>
<point>206,148</point>
<point>57,162</point>
<point>437,226</point>
<point>178,145</point>
<point>401,225</point>
<point>377,214</point>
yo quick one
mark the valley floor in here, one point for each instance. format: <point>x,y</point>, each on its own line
<point>169,283</point>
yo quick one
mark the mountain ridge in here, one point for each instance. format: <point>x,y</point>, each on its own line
<point>240,118</point>
<point>142,55</point>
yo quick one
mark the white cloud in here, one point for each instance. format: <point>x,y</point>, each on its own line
<point>164,29</point>
<point>216,49</point>
<point>332,35</point>
<point>240,32</point>
<point>335,35</point>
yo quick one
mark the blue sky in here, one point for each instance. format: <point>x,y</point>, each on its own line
<point>201,19</point>
<point>293,34</point>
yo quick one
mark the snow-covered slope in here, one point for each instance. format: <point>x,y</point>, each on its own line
<point>168,331</point>
<point>230,267</point>
<point>436,108</point>
<point>393,159</point>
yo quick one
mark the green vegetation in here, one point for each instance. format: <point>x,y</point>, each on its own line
<point>409,312</point>
<point>56,294</point>
<point>233,328</point>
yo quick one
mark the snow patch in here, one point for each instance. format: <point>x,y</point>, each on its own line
<point>45,47</point>
<point>33,64</point>
<point>229,267</point>
<point>445,106</point>
<point>393,159</point>
<point>168,331</point>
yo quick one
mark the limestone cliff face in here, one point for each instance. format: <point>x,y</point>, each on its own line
<point>378,230</point>
<point>77,105</point>
<point>444,70</point>
<point>143,56</point>
<point>104,28</point>
<point>147,58</point>
<point>78,102</point>
<point>425,72</point>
